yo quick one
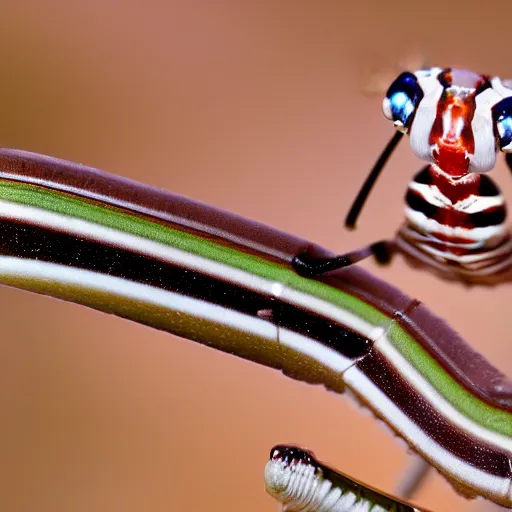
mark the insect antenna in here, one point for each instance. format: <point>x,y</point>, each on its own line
<point>364,192</point>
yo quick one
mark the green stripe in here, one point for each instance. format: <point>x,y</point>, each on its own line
<point>480,412</point>
<point>116,218</point>
<point>494,419</point>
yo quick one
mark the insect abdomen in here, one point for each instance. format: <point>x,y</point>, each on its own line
<point>456,222</point>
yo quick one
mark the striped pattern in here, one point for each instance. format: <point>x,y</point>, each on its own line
<point>118,246</point>
<point>303,484</point>
<point>455,215</point>
<point>456,225</point>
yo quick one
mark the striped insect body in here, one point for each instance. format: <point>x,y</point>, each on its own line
<point>456,224</point>
<point>455,215</point>
<point>295,478</point>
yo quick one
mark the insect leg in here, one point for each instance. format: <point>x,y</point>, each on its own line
<point>308,265</point>
<point>413,478</point>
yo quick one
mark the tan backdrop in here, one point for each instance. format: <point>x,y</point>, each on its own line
<point>256,107</point>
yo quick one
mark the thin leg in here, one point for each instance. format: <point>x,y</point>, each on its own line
<point>308,266</point>
<point>413,479</point>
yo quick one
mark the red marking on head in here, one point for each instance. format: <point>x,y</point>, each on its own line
<point>452,133</point>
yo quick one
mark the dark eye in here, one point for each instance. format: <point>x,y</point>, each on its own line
<point>402,100</point>
<point>502,118</point>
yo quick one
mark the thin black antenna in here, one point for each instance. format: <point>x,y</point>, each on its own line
<point>357,205</point>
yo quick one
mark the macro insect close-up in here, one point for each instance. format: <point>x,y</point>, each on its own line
<point>455,215</point>
<point>259,113</point>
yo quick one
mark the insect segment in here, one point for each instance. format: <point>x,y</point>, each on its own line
<point>296,479</point>
<point>454,214</point>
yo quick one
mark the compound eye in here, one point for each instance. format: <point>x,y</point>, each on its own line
<point>502,119</point>
<point>402,100</point>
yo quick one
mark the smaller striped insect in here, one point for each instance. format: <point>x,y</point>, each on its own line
<point>296,479</point>
<point>454,215</point>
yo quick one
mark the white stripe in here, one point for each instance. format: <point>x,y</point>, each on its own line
<point>31,269</point>
<point>299,487</point>
<point>314,349</point>
<point>500,250</point>
<point>70,276</point>
<point>476,204</point>
<point>141,245</point>
<point>465,260</point>
<point>426,224</point>
<point>471,204</point>
<point>423,241</point>
<point>190,223</point>
<point>419,252</point>
<point>415,237</point>
<point>88,280</point>
<point>438,402</point>
<point>470,262</point>
<point>80,227</point>
<point>470,476</point>
<point>431,194</point>
<point>410,242</point>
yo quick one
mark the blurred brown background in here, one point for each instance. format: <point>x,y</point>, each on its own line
<point>255,107</point>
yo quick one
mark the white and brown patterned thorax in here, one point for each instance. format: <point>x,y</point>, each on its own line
<point>457,120</point>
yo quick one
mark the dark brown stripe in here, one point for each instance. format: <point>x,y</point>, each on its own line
<point>33,242</point>
<point>424,177</point>
<point>450,351</point>
<point>487,187</point>
<point>160,205</point>
<point>455,218</point>
<point>418,257</point>
<point>470,449</point>
<point>418,203</point>
<point>370,493</point>
<point>489,217</point>
<point>458,189</point>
